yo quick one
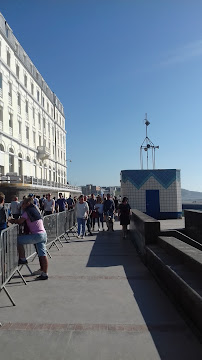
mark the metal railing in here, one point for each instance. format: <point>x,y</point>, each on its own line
<point>57,227</point>
<point>35,181</point>
<point>8,257</point>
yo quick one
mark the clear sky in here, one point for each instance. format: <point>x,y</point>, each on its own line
<point>110,62</point>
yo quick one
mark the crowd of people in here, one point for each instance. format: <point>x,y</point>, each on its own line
<point>99,209</point>
<point>89,210</point>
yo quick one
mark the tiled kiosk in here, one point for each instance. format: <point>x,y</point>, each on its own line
<point>154,192</point>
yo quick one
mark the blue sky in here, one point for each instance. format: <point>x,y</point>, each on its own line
<point>110,62</point>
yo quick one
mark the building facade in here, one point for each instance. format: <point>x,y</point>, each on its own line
<point>32,120</point>
<point>154,192</point>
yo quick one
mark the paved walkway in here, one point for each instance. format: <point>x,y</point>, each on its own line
<point>100,302</point>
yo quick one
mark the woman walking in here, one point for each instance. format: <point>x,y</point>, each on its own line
<point>124,212</point>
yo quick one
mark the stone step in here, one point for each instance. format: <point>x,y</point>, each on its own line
<point>185,253</point>
<point>182,284</point>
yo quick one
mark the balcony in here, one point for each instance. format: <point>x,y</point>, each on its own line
<point>43,152</point>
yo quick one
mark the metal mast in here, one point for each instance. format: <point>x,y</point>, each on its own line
<point>146,146</point>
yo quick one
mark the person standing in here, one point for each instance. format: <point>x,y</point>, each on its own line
<point>15,207</point>
<point>37,236</point>
<point>124,212</point>
<point>49,205</point>
<point>82,212</point>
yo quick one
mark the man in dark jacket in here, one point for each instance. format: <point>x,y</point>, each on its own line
<point>109,210</point>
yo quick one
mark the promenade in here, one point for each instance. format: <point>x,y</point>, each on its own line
<point>100,303</point>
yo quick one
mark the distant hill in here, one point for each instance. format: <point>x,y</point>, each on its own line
<point>188,195</point>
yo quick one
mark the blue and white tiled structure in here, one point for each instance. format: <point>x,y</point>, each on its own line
<point>154,192</point>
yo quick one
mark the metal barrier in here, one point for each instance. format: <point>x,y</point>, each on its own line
<point>71,223</point>
<point>57,226</point>
<point>9,257</point>
<point>50,225</point>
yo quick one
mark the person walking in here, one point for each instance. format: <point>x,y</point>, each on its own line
<point>99,207</point>
<point>109,210</point>
<point>82,212</point>
<point>61,203</point>
<point>88,219</point>
<point>92,201</point>
<point>124,212</point>
<point>49,205</point>
<point>70,202</point>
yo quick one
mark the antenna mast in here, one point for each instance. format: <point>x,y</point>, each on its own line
<point>146,146</point>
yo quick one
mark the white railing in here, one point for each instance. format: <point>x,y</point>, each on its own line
<point>39,182</point>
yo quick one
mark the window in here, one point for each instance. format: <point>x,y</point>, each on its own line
<point>53,150</point>
<point>24,58</point>
<point>19,102</point>
<point>39,121</point>
<point>49,129</point>
<point>1,147</point>
<point>8,58</point>
<point>16,48</point>
<point>39,140</point>
<point>1,85</point>
<point>28,158</point>
<point>44,123</point>
<point>25,80</point>
<point>32,88</point>
<point>44,142</point>
<point>35,173</point>
<point>17,71</point>
<point>10,116</point>
<point>1,118</point>
<point>20,164</point>
<point>47,107</point>
<point>11,161</point>
<point>31,68</point>
<point>10,93</point>
<point>26,106</point>
<point>27,133</point>
<point>43,101</point>
<point>33,115</point>
<point>38,95</point>
<point>34,137</point>
<point>20,127</point>
<point>51,111</point>
<point>37,76</point>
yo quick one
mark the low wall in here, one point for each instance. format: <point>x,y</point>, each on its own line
<point>193,224</point>
<point>145,230</point>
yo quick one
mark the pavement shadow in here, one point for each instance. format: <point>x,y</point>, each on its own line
<point>161,318</point>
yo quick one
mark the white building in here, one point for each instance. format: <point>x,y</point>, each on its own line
<point>32,121</point>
